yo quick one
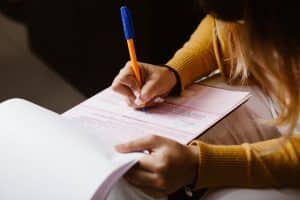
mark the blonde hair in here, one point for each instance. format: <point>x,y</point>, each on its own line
<point>276,70</point>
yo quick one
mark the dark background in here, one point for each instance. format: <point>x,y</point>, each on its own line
<point>83,40</point>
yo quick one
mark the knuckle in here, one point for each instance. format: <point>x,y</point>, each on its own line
<point>128,80</point>
<point>122,70</point>
<point>128,63</point>
<point>123,75</point>
<point>127,66</point>
<point>131,80</point>
<point>131,144</point>
<point>126,69</point>
<point>115,86</point>
<point>153,138</point>
<point>162,167</point>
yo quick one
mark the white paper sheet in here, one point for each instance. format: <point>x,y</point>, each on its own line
<point>181,119</point>
<point>45,156</point>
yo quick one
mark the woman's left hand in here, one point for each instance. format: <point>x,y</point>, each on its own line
<point>168,167</point>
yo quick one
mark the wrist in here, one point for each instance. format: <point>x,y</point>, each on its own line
<point>177,87</point>
<point>194,158</point>
<point>172,77</point>
<point>189,187</point>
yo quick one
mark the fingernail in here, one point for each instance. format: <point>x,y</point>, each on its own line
<point>138,102</point>
<point>159,100</point>
<point>147,152</point>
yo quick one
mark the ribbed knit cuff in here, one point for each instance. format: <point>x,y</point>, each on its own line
<point>180,68</point>
<point>221,166</point>
<point>177,89</point>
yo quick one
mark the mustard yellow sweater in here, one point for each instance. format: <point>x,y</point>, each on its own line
<point>244,165</point>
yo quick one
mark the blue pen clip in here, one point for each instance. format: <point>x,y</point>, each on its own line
<point>127,22</point>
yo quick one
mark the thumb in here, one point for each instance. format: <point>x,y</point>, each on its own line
<point>139,145</point>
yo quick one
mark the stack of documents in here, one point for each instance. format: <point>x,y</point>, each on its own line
<point>48,156</point>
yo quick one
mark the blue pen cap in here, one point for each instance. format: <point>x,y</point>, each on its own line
<point>127,22</point>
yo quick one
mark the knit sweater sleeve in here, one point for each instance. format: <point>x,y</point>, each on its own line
<point>196,58</point>
<point>271,163</point>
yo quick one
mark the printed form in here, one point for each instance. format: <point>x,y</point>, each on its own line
<point>180,118</point>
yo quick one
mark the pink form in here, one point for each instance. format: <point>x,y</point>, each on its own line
<point>181,119</point>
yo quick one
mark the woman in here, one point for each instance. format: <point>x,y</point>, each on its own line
<point>255,43</point>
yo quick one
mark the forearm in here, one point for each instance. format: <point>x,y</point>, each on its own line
<point>264,164</point>
<point>196,58</point>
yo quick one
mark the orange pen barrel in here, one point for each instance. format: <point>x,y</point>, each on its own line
<point>134,63</point>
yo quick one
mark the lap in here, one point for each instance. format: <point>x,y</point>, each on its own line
<point>242,126</point>
<point>245,123</point>
<point>122,190</point>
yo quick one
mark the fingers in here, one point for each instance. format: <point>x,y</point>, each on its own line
<point>140,177</point>
<point>130,81</point>
<point>151,144</point>
<point>125,83</point>
<point>149,91</point>
<point>145,181</point>
<point>146,163</point>
<point>124,91</point>
<point>155,101</point>
<point>158,81</point>
<point>139,145</point>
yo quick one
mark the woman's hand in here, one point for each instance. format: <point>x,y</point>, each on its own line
<point>168,167</point>
<point>157,82</point>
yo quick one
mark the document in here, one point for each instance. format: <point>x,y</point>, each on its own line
<point>181,119</point>
<point>46,156</point>
<point>71,156</point>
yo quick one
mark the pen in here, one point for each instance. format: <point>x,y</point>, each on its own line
<point>129,35</point>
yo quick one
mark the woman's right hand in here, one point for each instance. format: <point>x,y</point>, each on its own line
<point>157,82</point>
